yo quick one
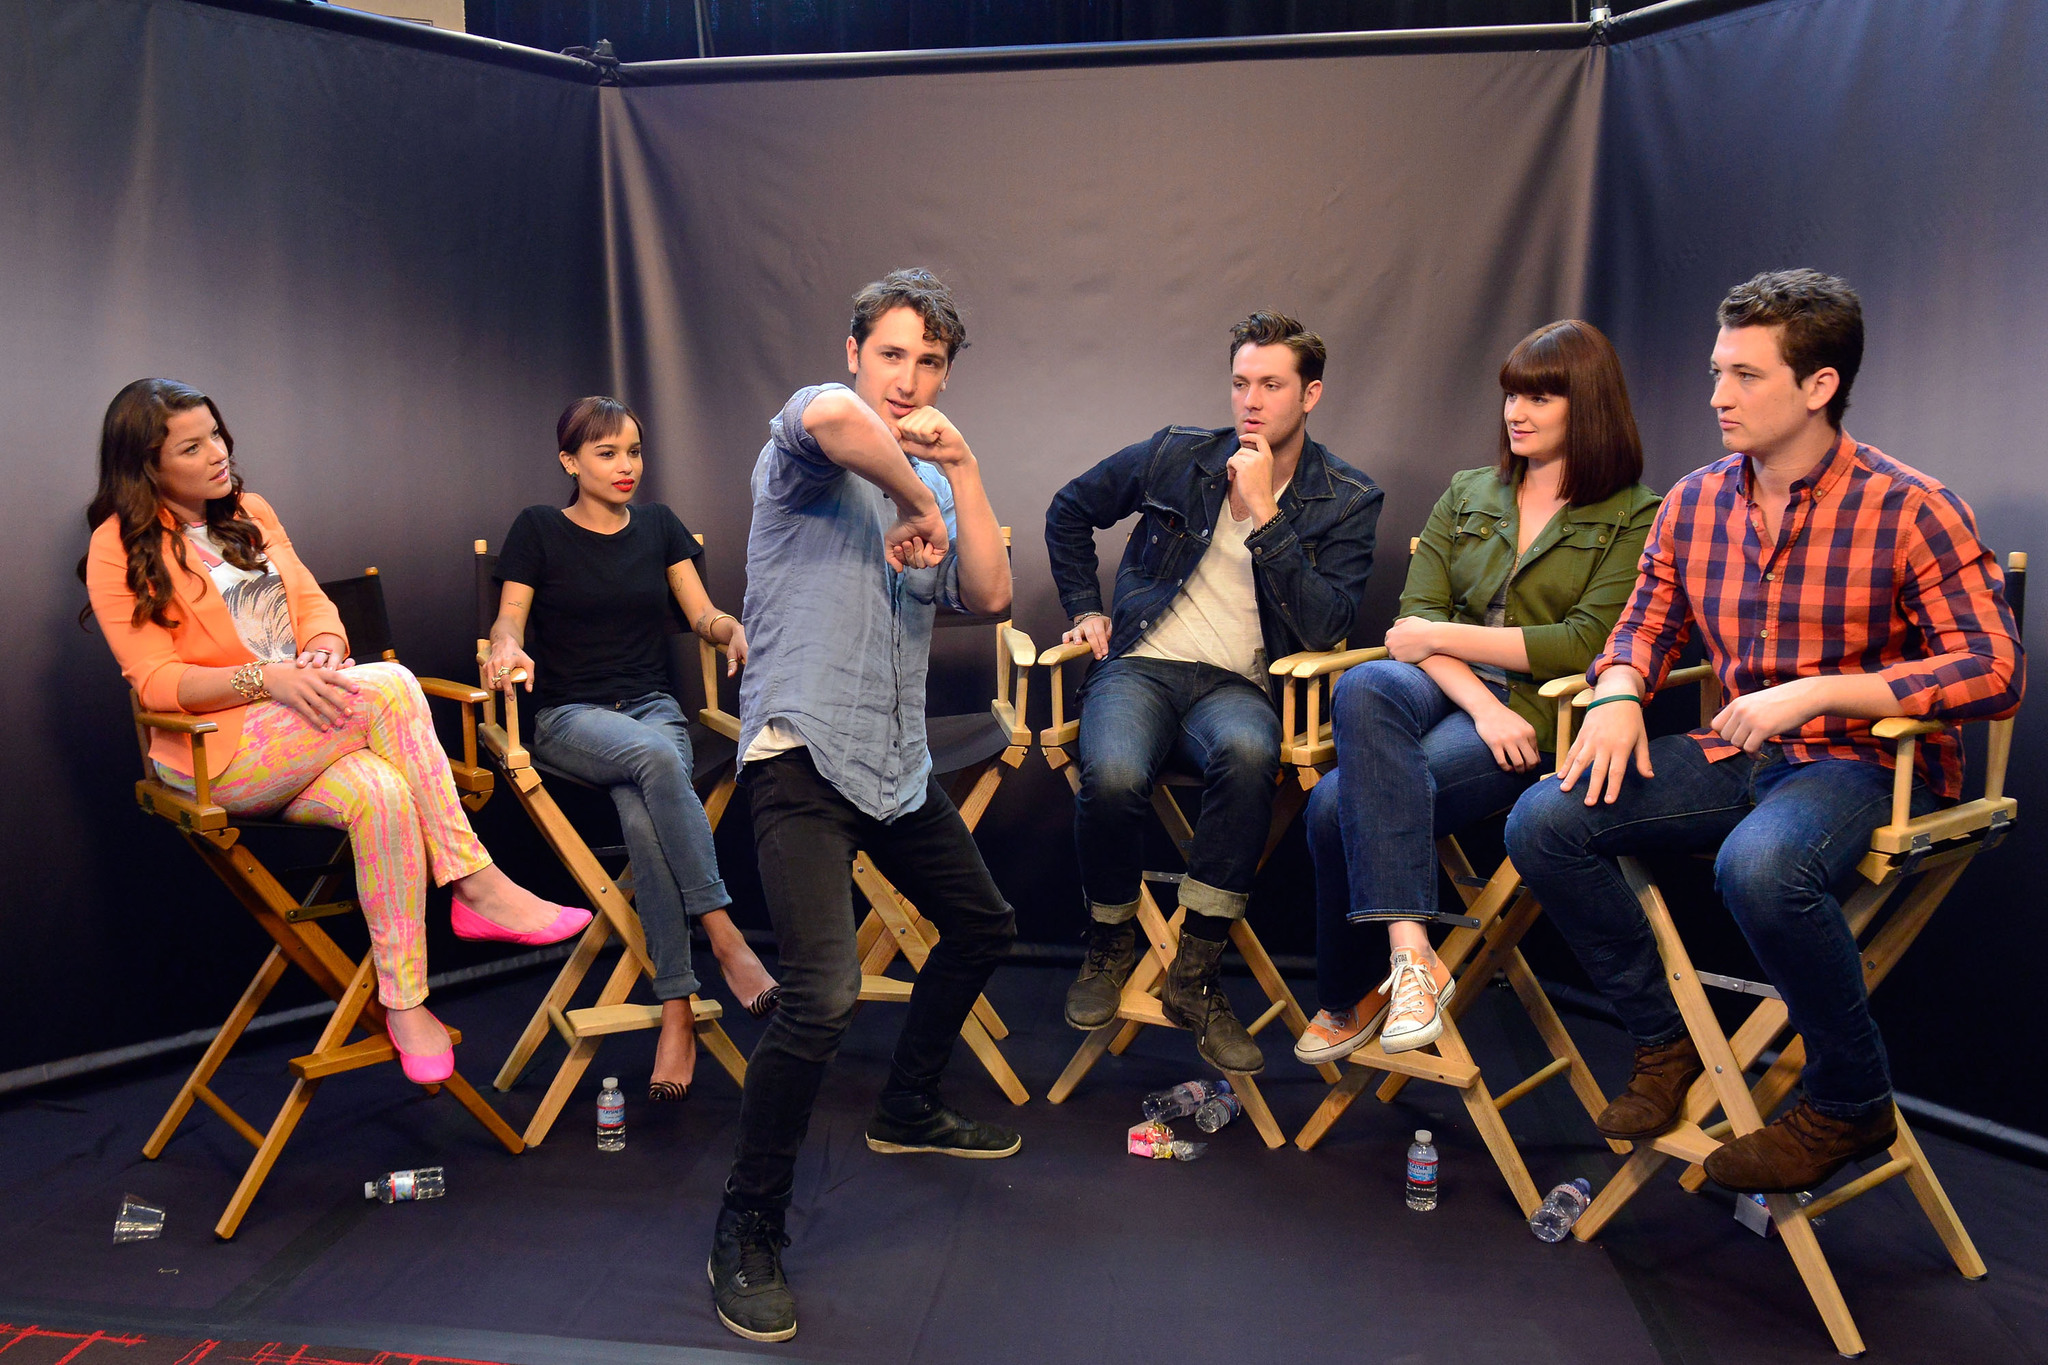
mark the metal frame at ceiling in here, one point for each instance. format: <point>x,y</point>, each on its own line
<point>1655,18</point>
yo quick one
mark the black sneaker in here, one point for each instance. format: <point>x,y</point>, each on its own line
<point>941,1130</point>
<point>1112,953</point>
<point>745,1268</point>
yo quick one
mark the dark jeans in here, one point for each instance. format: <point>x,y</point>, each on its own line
<point>639,751</point>
<point>806,834</point>
<point>1411,768</point>
<point>1788,834</point>
<point>1138,715</point>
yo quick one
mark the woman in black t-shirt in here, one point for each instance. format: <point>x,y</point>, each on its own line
<point>595,578</point>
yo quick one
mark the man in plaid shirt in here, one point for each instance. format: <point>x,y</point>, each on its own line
<point>1831,586</point>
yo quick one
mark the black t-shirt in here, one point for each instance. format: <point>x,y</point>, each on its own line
<point>598,629</point>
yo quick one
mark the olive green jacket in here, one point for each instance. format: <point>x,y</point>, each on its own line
<point>1571,588</point>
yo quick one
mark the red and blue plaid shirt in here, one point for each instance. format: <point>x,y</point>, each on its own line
<point>1877,569</point>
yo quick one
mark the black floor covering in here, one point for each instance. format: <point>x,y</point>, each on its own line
<point>1071,1251</point>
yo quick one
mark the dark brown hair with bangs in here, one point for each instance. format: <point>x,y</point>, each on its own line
<point>1576,362</point>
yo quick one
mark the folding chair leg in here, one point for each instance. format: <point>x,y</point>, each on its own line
<point>1559,1040</point>
<point>567,981</point>
<point>1934,1203</point>
<point>719,1044</point>
<point>976,1036</point>
<point>1797,1234</point>
<point>348,1008</point>
<point>620,985</point>
<point>1248,1093</point>
<point>1724,1080</point>
<point>198,1083</point>
<point>1083,1061</point>
<point>1340,1098</point>
<point>1493,1131</point>
<point>267,1152</point>
<point>892,926</point>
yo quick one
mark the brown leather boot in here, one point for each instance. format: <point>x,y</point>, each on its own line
<point>1655,1092</point>
<point>1191,998</point>
<point>1799,1151</point>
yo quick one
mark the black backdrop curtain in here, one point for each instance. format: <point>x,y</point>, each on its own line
<point>1899,145</point>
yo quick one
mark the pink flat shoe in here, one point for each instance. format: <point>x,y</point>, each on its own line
<point>422,1068</point>
<point>470,925</point>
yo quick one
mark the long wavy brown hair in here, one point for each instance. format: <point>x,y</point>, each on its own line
<point>131,443</point>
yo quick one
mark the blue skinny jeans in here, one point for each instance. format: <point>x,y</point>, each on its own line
<point>1788,835</point>
<point>1411,768</point>
<point>639,751</point>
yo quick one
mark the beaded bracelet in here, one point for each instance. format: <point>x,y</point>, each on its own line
<point>248,683</point>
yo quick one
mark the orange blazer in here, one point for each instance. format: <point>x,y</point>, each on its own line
<point>153,658</point>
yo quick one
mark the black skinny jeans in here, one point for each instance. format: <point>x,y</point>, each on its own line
<point>806,834</point>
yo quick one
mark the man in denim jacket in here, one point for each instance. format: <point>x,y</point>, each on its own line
<point>1253,543</point>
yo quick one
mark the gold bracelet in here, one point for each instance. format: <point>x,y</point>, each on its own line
<point>248,683</point>
<point>705,633</point>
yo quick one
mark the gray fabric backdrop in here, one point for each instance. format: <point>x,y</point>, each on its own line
<point>1103,229</point>
<point>385,266</point>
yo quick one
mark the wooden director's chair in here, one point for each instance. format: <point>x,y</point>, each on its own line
<point>1139,1005</point>
<point>1912,865</point>
<point>974,750</point>
<point>1485,943</point>
<point>712,739</point>
<point>297,940</point>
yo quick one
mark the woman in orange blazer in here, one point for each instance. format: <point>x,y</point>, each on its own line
<point>210,613</point>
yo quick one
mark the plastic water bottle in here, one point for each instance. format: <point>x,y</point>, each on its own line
<point>1561,1208</point>
<point>611,1117</point>
<point>1183,1099</point>
<point>399,1186</point>
<point>1422,1172</point>
<point>1217,1110</point>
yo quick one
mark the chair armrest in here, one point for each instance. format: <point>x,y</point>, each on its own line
<point>1023,653</point>
<point>1331,661</point>
<point>1061,653</point>
<point>1900,727</point>
<point>455,691</point>
<point>175,722</point>
<point>1570,685</point>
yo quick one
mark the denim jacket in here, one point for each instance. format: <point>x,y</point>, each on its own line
<point>1308,567</point>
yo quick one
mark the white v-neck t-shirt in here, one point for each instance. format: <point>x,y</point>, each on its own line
<point>1215,620</point>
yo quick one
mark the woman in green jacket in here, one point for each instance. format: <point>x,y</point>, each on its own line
<point>1518,578</point>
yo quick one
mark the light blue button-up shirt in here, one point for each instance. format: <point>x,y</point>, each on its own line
<point>838,643</point>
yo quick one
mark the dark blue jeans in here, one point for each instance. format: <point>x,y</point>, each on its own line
<point>1139,715</point>
<point>1788,834</point>
<point>1411,768</point>
<point>639,751</point>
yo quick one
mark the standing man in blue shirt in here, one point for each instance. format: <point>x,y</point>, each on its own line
<point>869,515</point>
<point>1254,542</point>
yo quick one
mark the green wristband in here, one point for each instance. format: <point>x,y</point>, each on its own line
<point>1617,696</point>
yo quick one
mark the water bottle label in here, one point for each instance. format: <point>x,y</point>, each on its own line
<point>403,1184</point>
<point>1422,1173</point>
<point>611,1115</point>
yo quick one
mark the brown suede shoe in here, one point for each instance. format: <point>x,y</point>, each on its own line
<point>1799,1151</point>
<point>1655,1093</point>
